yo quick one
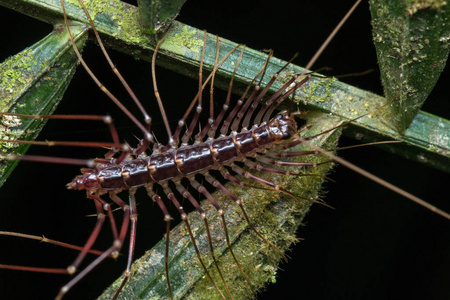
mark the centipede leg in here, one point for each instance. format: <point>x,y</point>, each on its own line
<point>218,185</point>
<point>252,100</point>
<point>92,238</point>
<point>211,128</point>
<point>132,242</point>
<point>110,251</point>
<point>184,217</point>
<point>197,206</point>
<point>275,162</point>
<point>261,168</point>
<point>233,179</point>
<point>199,108</point>
<point>273,154</point>
<point>167,219</point>
<point>261,95</point>
<point>270,106</point>
<point>213,201</point>
<point>107,207</point>
<point>260,180</point>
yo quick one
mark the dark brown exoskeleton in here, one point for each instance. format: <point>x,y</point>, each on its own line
<point>186,161</point>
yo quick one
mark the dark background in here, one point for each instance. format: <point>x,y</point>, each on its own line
<point>374,245</point>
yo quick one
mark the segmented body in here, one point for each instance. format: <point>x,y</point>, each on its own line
<point>186,161</point>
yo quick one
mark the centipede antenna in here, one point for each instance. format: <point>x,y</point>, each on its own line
<point>331,36</point>
<point>380,181</point>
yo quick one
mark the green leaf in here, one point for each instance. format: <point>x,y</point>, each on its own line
<point>157,15</point>
<point>33,82</point>
<point>412,39</point>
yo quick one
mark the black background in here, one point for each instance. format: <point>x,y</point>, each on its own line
<point>374,245</point>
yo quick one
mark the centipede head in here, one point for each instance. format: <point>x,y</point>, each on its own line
<point>87,181</point>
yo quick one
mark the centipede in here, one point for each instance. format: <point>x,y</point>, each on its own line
<point>311,270</point>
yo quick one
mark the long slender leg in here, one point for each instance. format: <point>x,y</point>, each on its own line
<point>43,239</point>
<point>113,250</point>
<point>289,163</point>
<point>233,179</point>
<point>182,121</point>
<point>255,178</point>
<point>216,205</point>
<point>210,129</point>
<point>92,238</point>
<point>184,217</point>
<point>257,101</point>
<point>227,122</point>
<point>132,243</point>
<point>147,118</point>
<point>199,108</point>
<point>218,185</point>
<point>278,98</point>
<point>106,119</point>
<point>83,273</point>
<point>167,219</point>
<point>197,206</point>
<point>147,135</point>
<point>237,119</point>
<point>275,187</point>
<point>115,146</point>
<point>273,154</point>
